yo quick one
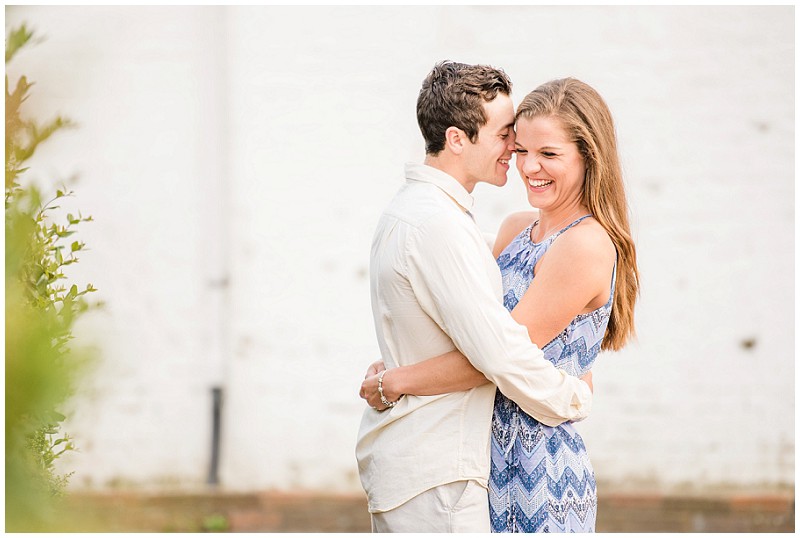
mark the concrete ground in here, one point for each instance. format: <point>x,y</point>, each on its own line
<point>297,512</point>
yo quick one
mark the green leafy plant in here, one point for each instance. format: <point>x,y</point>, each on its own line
<point>41,366</point>
<point>216,523</point>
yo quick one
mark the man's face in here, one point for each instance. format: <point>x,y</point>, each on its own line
<point>487,159</point>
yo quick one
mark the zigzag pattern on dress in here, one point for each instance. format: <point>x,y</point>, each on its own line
<point>565,356</point>
<point>541,477</point>
<point>537,515</point>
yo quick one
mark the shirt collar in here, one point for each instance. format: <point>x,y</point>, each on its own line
<point>443,180</point>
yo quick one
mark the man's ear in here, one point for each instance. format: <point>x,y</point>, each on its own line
<point>454,139</point>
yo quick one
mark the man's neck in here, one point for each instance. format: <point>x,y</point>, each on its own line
<point>449,167</point>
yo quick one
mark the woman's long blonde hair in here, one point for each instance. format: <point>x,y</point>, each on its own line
<point>586,118</point>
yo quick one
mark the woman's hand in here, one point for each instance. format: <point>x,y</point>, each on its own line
<point>369,388</point>
<point>369,391</point>
<point>375,368</point>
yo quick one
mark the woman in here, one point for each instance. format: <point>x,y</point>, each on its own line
<point>569,275</point>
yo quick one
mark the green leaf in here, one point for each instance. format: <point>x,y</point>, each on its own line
<point>41,303</point>
<point>18,39</point>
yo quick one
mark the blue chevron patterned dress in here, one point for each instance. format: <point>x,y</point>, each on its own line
<point>541,477</point>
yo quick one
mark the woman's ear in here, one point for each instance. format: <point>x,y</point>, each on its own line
<point>454,139</point>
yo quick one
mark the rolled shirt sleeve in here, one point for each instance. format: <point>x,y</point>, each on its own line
<point>446,267</point>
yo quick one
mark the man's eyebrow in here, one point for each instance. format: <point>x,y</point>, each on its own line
<point>507,128</point>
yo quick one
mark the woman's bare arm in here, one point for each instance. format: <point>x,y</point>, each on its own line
<point>450,372</point>
<point>575,278</point>
<point>572,278</point>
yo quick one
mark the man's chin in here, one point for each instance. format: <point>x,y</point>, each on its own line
<point>496,181</point>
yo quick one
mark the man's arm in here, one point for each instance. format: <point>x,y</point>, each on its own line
<point>447,268</point>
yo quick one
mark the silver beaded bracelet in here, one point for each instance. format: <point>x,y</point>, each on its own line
<point>384,401</point>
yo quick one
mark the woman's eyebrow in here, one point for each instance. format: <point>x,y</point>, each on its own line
<point>548,149</point>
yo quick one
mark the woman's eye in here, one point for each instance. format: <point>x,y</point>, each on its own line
<point>548,154</point>
<point>521,151</point>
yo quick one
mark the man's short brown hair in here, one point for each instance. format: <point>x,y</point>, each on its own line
<point>453,95</point>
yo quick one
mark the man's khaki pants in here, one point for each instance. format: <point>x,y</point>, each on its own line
<point>461,506</point>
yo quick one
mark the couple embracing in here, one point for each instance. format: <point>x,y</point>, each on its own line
<point>487,354</point>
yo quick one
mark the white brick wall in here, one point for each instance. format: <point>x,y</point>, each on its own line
<point>261,143</point>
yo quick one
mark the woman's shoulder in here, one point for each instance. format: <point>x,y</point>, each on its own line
<point>511,226</point>
<point>584,257</point>
<point>516,222</point>
<point>588,237</point>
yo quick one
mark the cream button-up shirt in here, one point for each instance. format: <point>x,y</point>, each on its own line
<point>436,287</point>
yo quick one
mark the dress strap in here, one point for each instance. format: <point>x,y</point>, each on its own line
<point>573,223</point>
<point>552,237</point>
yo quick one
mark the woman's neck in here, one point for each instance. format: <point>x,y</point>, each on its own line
<point>551,222</point>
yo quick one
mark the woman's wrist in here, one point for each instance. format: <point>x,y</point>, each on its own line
<point>393,383</point>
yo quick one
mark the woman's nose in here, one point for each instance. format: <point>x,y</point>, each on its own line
<point>531,164</point>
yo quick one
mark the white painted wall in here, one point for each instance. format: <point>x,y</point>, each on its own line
<point>257,146</point>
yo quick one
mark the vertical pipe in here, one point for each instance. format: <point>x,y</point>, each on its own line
<point>216,223</point>
<point>216,419</point>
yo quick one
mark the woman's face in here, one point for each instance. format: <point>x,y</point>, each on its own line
<point>549,163</point>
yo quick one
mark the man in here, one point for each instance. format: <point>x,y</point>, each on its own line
<point>435,287</point>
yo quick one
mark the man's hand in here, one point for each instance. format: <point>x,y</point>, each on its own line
<point>588,379</point>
